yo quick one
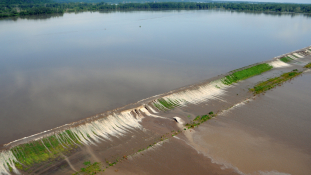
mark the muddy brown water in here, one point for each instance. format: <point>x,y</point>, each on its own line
<point>266,134</point>
<point>60,78</point>
<point>263,134</point>
<point>60,69</point>
<point>270,134</point>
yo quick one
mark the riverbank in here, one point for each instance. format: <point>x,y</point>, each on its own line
<point>50,7</point>
<point>126,133</point>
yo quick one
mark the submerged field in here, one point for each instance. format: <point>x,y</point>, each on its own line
<point>104,141</point>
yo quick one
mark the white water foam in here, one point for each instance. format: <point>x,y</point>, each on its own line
<point>7,159</point>
<point>279,64</point>
<point>242,103</point>
<point>298,55</point>
<point>204,93</point>
<point>115,125</point>
<point>149,114</point>
<point>152,110</point>
<point>292,57</point>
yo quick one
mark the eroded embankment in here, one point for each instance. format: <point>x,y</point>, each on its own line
<point>114,135</point>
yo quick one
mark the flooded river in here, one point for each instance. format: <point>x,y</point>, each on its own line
<point>57,70</point>
<point>269,135</point>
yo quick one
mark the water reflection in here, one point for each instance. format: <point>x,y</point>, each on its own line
<point>48,16</point>
<point>69,67</point>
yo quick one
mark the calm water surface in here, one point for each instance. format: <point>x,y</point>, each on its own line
<point>58,70</point>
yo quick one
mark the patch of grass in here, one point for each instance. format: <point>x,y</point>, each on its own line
<point>198,120</point>
<point>273,82</point>
<point>90,169</point>
<point>286,59</point>
<point>246,73</point>
<point>115,162</point>
<point>308,65</point>
<point>166,104</point>
<point>51,147</point>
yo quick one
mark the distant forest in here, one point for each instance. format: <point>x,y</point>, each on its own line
<point>10,8</point>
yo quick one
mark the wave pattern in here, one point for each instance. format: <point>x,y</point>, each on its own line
<point>21,155</point>
<point>41,149</point>
<point>203,93</point>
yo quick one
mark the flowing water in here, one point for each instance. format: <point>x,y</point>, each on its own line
<point>60,69</point>
<point>268,135</point>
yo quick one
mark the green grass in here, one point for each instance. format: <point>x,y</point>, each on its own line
<point>286,59</point>
<point>273,82</point>
<point>44,149</point>
<point>199,119</point>
<point>167,104</point>
<point>246,73</point>
<point>90,169</point>
<point>308,65</point>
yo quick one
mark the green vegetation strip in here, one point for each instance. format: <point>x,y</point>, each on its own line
<point>90,168</point>
<point>199,120</point>
<point>246,73</point>
<point>308,65</point>
<point>273,82</point>
<point>45,149</point>
<point>286,59</point>
<point>166,104</point>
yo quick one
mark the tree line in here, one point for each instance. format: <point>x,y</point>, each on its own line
<point>46,7</point>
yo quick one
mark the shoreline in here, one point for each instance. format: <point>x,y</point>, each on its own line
<point>54,8</point>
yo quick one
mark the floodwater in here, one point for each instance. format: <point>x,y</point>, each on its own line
<point>269,135</point>
<point>61,69</point>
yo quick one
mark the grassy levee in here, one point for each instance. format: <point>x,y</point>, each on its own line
<point>273,82</point>
<point>44,149</point>
<point>286,59</point>
<point>199,120</point>
<point>166,104</point>
<point>246,73</point>
<point>308,65</point>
